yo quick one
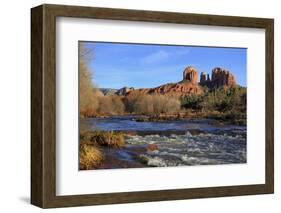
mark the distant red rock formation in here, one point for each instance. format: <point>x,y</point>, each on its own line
<point>204,78</point>
<point>190,74</point>
<point>222,77</point>
<point>124,90</point>
<point>171,89</point>
<point>189,85</point>
<point>179,89</point>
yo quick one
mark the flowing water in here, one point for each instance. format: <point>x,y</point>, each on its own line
<point>171,143</point>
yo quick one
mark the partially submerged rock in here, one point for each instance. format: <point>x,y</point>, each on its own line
<point>152,147</point>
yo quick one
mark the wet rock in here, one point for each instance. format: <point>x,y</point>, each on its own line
<point>195,131</point>
<point>152,147</point>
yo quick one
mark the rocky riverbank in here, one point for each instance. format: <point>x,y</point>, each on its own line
<point>217,117</point>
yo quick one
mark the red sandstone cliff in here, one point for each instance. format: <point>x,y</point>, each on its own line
<point>189,85</point>
<point>222,77</point>
<point>190,74</point>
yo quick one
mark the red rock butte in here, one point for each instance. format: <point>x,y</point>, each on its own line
<point>222,77</point>
<point>189,85</point>
<point>190,74</point>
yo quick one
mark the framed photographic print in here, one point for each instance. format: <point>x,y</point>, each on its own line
<point>136,106</point>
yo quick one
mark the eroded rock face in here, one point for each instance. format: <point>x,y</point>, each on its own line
<point>204,78</point>
<point>176,89</point>
<point>222,77</point>
<point>179,89</point>
<point>189,85</point>
<point>190,74</point>
<point>124,90</point>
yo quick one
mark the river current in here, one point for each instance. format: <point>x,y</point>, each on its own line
<point>174,143</point>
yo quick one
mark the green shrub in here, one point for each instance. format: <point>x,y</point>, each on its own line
<point>224,99</point>
<point>192,102</point>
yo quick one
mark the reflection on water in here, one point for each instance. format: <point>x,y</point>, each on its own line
<point>127,123</point>
<point>182,142</point>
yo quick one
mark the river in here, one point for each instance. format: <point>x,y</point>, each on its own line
<point>171,143</point>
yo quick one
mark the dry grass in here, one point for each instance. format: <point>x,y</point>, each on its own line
<point>104,138</point>
<point>90,153</point>
<point>90,157</point>
<point>152,104</point>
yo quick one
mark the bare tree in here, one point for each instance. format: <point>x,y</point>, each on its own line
<point>88,93</point>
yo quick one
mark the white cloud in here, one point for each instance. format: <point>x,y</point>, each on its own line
<point>155,57</point>
<point>162,55</point>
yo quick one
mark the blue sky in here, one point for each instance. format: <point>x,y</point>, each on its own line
<point>116,65</point>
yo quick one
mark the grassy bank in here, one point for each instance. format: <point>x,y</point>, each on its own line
<point>90,157</point>
<point>230,117</point>
<point>90,152</point>
<point>103,138</point>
